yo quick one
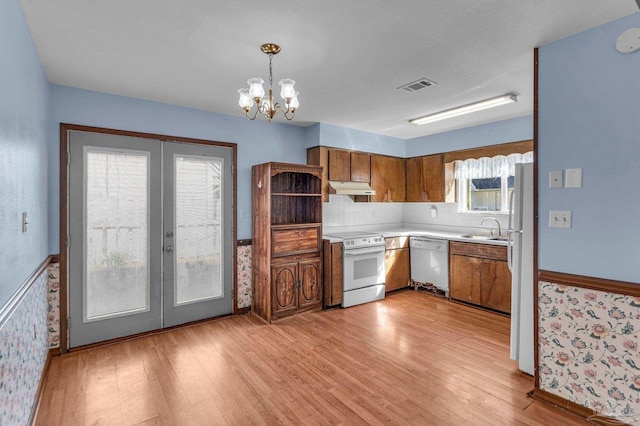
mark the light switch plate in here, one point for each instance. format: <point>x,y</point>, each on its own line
<point>560,219</point>
<point>555,179</point>
<point>573,178</point>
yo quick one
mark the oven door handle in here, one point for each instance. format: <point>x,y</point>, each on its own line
<point>363,251</point>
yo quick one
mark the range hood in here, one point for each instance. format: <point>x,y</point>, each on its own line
<point>352,188</point>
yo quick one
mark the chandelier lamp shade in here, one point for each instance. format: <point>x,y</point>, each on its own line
<point>466,109</point>
<point>257,100</point>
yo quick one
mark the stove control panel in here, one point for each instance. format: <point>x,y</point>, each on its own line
<point>363,242</point>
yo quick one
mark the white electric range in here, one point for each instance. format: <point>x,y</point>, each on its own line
<point>363,268</point>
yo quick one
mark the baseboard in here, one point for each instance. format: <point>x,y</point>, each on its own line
<point>573,408</point>
<point>242,311</point>
<point>43,381</point>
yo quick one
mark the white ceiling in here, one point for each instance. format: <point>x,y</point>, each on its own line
<point>348,57</point>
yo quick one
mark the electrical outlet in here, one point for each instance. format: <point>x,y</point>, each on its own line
<point>555,179</point>
<point>559,219</point>
<point>25,222</point>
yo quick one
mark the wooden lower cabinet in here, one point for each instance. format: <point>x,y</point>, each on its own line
<point>396,261</point>
<point>464,277</point>
<point>496,285</point>
<point>295,286</point>
<point>478,274</point>
<point>310,290</point>
<point>332,273</point>
<point>284,290</point>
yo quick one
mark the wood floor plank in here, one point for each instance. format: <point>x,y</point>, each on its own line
<point>411,359</point>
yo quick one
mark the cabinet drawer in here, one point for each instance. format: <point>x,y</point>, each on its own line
<point>396,243</point>
<point>285,242</point>
<point>487,251</point>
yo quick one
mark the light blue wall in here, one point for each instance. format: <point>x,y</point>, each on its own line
<point>342,137</point>
<point>589,118</point>
<point>24,103</point>
<point>258,141</point>
<point>511,130</point>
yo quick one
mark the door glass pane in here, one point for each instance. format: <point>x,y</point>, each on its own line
<point>198,236</point>
<point>117,238</point>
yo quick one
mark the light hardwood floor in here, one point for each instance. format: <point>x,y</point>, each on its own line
<point>412,358</point>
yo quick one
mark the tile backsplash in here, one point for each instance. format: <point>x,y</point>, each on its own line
<point>447,216</point>
<point>342,211</point>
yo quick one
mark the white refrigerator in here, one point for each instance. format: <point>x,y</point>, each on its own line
<point>520,258</point>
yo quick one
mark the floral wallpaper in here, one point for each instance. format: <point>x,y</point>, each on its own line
<point>244,276</point>
<point>53,299</point>
<point>588,349</point>
<point>23,351</point>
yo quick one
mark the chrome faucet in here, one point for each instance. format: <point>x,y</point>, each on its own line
<point>491,229</point>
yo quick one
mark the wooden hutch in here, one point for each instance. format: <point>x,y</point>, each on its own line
<point>287,239</point>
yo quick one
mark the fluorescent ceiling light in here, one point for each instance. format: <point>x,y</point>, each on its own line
<point>478,106</point>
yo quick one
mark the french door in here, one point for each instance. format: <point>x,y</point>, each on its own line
<point>150,234</point>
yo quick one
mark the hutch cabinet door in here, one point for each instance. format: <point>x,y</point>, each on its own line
<point>310,282</point>
<point>284,294</point>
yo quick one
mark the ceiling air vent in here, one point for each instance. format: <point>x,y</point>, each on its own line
<point>417,85</point>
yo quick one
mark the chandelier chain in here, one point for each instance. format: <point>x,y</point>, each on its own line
<point>270,70</point>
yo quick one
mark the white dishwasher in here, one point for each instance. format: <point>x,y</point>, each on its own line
<point>430,264</point>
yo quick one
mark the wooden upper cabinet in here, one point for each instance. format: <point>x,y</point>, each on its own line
<point>360,167</point>
<point>339,165</point>
<point>426,179</point>
<point>387,178</point>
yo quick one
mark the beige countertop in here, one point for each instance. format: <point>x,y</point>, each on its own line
<point>415,232</point>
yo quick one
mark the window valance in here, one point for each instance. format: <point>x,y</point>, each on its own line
<point>485,167</point>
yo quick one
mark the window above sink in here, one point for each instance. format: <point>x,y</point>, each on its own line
<point>485,184</point>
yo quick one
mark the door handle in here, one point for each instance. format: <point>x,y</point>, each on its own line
<point>168,249</point>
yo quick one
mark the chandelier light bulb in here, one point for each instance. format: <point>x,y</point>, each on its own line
<point>255,87</point>
<point>294,104</point>
<point>245,101</point>
<point>287,92</point>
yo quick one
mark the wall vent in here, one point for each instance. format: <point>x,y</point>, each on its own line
<point>417,85</point>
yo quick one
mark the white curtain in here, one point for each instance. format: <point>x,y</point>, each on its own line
<point>485,167</point>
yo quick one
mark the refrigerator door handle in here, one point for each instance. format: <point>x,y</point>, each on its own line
<point>511,198</point>
<point>510,233</point>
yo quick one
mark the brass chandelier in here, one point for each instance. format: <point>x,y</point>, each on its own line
<point>255,94</point>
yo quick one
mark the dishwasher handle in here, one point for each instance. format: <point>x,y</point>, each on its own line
<point>422,243</point>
